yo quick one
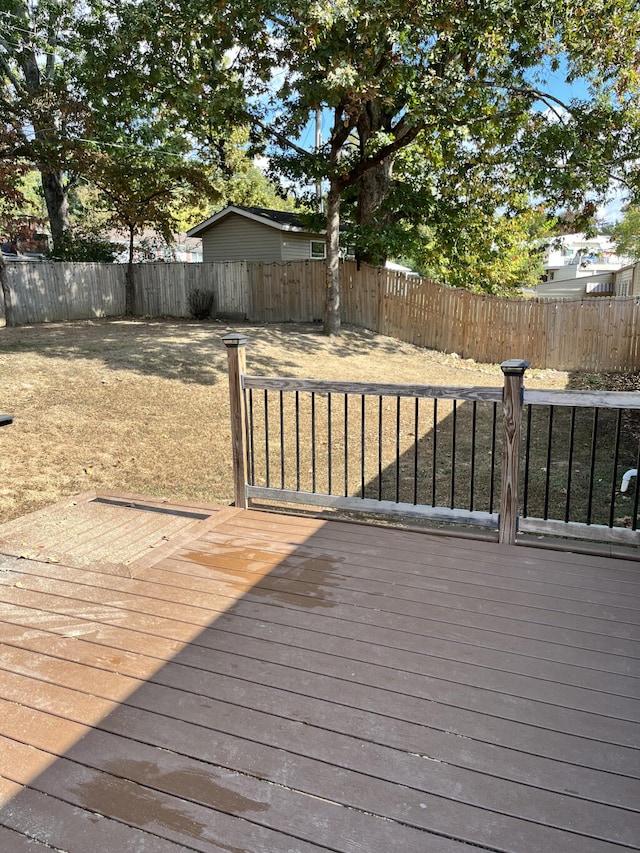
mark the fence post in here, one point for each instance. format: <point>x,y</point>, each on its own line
<point>512,397</point>
<point>236,360</point>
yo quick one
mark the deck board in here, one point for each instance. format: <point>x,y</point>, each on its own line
<point>256,682</point>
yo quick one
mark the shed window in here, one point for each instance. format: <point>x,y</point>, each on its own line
<point>318,249</point>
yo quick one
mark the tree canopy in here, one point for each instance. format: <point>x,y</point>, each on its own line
<point>466,77</point>
<point>626,233</point>
<point>445,125</point>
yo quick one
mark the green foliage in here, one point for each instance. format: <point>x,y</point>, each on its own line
<point>469,82</point>
<point>443,122</point>
<point>626,233</point>
<point>137,192</point>
<point>78,244</point>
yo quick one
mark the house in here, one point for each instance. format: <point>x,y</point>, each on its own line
<point>577,266</point>
<point>258,234</point>
<point>151,246</point>
<point>626,280</point>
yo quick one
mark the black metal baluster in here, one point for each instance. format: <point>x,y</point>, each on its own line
<point>297,441</point>
<point>472,477</point>
<point>616,458</point>
<point>594,443</point>
<point>572,433</point>
<point>281,440</point>
<point>397,449</point>
<point>415,452</point>
<point>634,520</point>
<point>346,445</point>
<point>454,427</point>
<point>362,443</point>
<point>380,448</point>
<point>252,461</point>
<point>492,483</point>
<point>313,442</point>
<point>527,461</point>
<point>433,455</point>
<point>329,469</point>
<point>266,438</point>
<point>547,481</point>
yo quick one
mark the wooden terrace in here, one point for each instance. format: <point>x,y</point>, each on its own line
<point>194,678</point>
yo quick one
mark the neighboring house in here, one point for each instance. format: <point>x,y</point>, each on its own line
<point>576,266</point>
<point>151,246</point>
<point>257,234</point>
<point>627,280</point>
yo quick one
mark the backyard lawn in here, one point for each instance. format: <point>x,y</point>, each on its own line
<point>142,407</point>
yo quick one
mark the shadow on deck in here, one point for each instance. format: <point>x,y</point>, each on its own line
<point>178,677</point>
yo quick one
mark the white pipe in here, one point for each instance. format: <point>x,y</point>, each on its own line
<point>632,472</point>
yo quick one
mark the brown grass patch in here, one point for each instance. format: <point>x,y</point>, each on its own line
<point>142,407</point>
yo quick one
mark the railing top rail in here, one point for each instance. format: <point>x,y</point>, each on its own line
<point>592,399</point>
<point>375,389</point>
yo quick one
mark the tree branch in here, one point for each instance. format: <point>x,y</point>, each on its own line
<point>281,137</point>
<point>8,71</point>
<point>545,97</point>
<point>363,166</point>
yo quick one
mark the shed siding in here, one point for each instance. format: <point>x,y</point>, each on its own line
<point>296,247</point>
<point>235,238</point>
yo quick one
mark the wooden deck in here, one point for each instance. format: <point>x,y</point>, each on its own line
<point>214,679</point>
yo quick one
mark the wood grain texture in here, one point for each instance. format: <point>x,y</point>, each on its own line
<point>273,683</point>
<point>321,386</point>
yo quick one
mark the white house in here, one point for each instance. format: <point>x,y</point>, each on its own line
<point>576,265</point>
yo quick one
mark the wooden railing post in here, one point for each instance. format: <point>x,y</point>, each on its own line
<point>236,359</point>
<point>512,396</point>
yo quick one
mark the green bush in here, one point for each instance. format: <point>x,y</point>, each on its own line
<point>85,245</point>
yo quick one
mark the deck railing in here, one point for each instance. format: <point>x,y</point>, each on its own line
<point>507,459</point>
<point>578,446</point>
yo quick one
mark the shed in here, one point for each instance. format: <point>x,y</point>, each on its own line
<point>239,233</point>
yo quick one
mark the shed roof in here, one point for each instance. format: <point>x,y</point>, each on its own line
<point>280,219</point>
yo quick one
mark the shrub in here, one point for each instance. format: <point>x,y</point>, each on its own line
<point>85,245</point>
<point>201,303</point>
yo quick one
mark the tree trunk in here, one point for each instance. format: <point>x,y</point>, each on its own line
<point>373,189</point>
<point>57,199</point>
<point>6,294</point>
<point>332,300</point>
<point>129,289</point>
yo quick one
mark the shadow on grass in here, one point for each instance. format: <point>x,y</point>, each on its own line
<point>446,454</point>
<point>189,351</point>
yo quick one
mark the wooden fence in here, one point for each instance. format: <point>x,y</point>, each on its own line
<point>594,334</point>
<point>50,292</point>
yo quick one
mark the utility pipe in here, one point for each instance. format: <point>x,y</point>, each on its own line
<point>632,472</point>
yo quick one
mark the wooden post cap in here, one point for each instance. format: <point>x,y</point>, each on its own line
<point>235,339</point>
<point>514,366</point>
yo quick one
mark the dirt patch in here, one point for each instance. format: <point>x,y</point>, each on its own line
<point>142,406</point>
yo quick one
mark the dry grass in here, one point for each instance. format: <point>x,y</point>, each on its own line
<point>142,407</point>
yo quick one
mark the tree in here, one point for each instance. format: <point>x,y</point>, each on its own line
<point>11,197</point>
<point>67,109</point>
<point>37,99</point>
<point>137,195</point>
<point>626,233</point>
<point>393,76</point>
<point>387,72</point>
